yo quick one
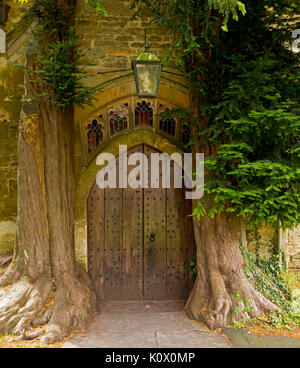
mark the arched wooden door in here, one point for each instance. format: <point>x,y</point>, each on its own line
<point>140,242</point>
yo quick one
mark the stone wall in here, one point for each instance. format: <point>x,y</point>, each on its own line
<point>112,42</point>
<point>268,239</point>
<point>263,242</point>
<point>8,182</point>
<point>292,244</point>
<point>11,96</point>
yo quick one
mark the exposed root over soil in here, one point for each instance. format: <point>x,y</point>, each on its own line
<point>220,277</point>
<point>45,310</point>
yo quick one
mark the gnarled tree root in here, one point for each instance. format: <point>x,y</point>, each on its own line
<point>222,293</point>
<point>220,309</point>
<point>5,260</point>
<point>44,310</point>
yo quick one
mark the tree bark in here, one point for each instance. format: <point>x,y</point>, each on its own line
<point>220,275</point>
<point>44,286</point>
<point>5,260</point>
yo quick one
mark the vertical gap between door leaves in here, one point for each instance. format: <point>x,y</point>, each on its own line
<point>104,247</point>
<point>143,237</point>
<point>122,237</point>
<point>166,244</point>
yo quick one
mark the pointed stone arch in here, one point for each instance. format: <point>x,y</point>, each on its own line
<point>88,177</point>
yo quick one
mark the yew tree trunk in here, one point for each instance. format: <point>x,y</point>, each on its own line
<point>44,286</point>
<point>220,275</point>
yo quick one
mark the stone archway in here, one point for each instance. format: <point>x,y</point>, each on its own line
<point>87,180</point>
<point>172,92</point>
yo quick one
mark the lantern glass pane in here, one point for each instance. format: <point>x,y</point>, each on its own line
<point>148,79</point>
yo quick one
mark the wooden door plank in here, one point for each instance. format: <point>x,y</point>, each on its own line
<point>132,240</point>
<point>113,242</point>
<point>176,256</point>
<point>96,218</point>
<point>154,239</point>
<point>180,242</point>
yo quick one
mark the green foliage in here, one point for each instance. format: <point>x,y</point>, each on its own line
<point>292,279</point>
<point>228,8</point>
<point>278,319</point>
<point>245,85</point>
<point>267,279</point>
<point>193,266</point>
<point>242,305</point>
<point>245,88</point>
<point>59,72</point>
<point>97,5</point>
<point>57,63</point>
<point>238,324</point>
<point>271,263</point>
<point>272,283</point>
<point>257,169</point>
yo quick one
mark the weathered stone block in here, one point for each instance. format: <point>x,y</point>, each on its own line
<point>4,127</point>
<point>124,38</point>
<point>7,237</point>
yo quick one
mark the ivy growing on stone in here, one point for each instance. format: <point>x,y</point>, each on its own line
<point>58,54</point>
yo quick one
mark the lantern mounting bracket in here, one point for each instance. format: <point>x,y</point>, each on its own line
<point>129,70</point>
<point>147,69</point>
<point>115,71</point>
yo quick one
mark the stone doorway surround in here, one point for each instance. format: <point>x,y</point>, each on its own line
<point>172,92</point>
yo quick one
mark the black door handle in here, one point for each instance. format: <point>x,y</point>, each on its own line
<point>152,237</point>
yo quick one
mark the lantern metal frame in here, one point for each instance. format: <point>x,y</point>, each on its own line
<point>135,65</point>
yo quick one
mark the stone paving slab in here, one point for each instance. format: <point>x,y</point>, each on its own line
<point>146,330</point>
<point>147,306</point>
<point>242,338</point>
<point>145,322</point>
<point>190,339</point>
<point>113,340</point>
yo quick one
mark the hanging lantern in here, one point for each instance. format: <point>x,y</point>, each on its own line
<point>147,70</point>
